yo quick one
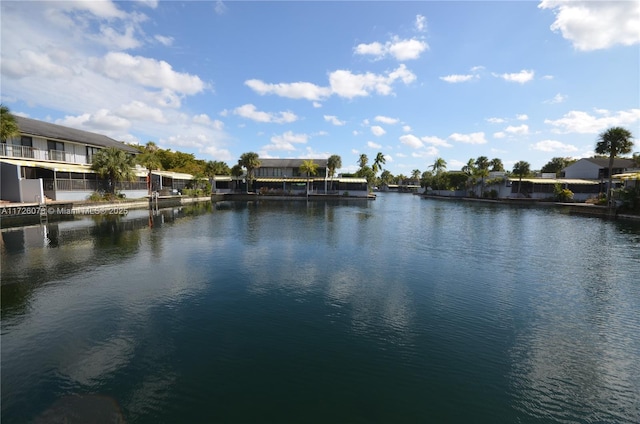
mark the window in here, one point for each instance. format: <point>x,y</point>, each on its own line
<point>56,150</point>
<point>90,152</point>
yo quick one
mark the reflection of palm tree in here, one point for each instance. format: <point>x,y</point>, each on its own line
<point>309,167</point>
<point>250,162</point>
<point>113,164</point>
<point>612,142</point>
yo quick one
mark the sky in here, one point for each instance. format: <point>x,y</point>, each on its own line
<point>415,80</point>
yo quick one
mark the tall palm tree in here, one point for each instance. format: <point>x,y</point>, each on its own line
<point>469,170</point>
<point>213,168</point>
<point>378,162</point>
<point>521,168</point>
<point>386,177</point>
<point>113,164</point>
<point>334,162</point>
<point>237,172</point>
<point>149,159</point>
<point>363,160</point>
<point>309,167</point>
<point>415,174</point>
<point>613,142</point>
<point>496,165</point>
<point>8,125</point>
<point>438,166</point>
<point>482,169</point>
<point>250,161</point>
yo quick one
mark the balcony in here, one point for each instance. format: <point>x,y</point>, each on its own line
<point>27,152</point>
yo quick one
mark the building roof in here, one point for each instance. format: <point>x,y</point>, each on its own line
<point>555,181</point>
<point>289,163</point>
<point>33,127</point>
<point>617,162</point>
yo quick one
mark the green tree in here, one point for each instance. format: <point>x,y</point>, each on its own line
<point>310,168</point>
<point>249,161</point>
<point>482,170</point>
<point>556,165</point>
<point>415,174</point>
<point>237,172</point>
<point>8,125</point>
<point>496,165</point>
<point>363,160</point>
<point>386,177</point>
<point>521,168</point>
<point>438,166</point>
<point>378,162</point>
<point>613,142</point>
<point>150,159</point>
<point>114,165</point>
<point>334,162</point>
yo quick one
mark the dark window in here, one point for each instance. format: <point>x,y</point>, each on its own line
<point>90,152</point>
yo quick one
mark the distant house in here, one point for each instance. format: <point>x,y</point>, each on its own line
<point>283,176</point>
<point>597,168</point>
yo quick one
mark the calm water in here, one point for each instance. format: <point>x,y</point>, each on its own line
<point>395,310</point>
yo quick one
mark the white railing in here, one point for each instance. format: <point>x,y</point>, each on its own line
<point>27,152</point>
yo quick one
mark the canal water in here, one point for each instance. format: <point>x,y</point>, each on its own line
<point>398,310</point>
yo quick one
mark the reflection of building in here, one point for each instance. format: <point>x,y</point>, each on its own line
<point>54,161</point>
<point>283,176</point>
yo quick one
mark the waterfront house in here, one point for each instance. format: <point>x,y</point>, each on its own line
<point>54,162</point>
<point>283,176</point>
<point>597,168</point>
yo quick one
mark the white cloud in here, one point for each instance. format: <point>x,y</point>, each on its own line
<point>147,72</point>
<point>373,145</point>
<point>286,141</point>
<point>421,23</point>
<point>457,78</point>
<point>378,131</point>
<point>519,130</point>
<point>499,135</point>
<point>428,152</point>
<point>436,141</point>
<point>296,90</point>
<point>166,41</point>
<point>334,120</point>
<point>401,50</point>
<point>593,25</point>
<point>411,141</point>
<point>249,111</point>
<point>101,120</point>
<point>386,120</point>
<point>558,98</point>
<point>584,123</point>
<point>553,146</point>
<point>349,85</point>
<point>220,8</point>
<point>203,119</point>
<point>406,128</point>
<point>519,77</point>
<point>472,138</point>
<point>495,120</point>
<point>522,117</point>
<point>140,110</point>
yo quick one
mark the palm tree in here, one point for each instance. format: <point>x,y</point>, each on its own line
<point>415,174</point>
<point>363,160</point>
<point>250,162</point>
<point>114,165</point>
<point>309,167</point>
<point>237,172</point>
<point>613,142</point>
<point>334,162</point>
<point>438,166</point>
<point>8,125</point>
<point>213,168</point>
<point>482,169</point>
<point>149,159</point>
<point>378,162</point>
<point>496,165</point>
<point>386,177</point>
<point>469,169</point>
<point>521,168</point>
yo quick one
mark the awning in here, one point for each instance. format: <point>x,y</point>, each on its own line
<point>282,180</point>
<point>222,177</point>
<point>556,181</point>
<point>627,176</point>
<point>174,175</point>
<point>58,167</point>
<point>351,180</point>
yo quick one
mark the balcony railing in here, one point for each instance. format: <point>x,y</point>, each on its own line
<point>90,185</point>
<point>27,152</point>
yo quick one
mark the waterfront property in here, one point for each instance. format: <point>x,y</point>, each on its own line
<point>597,168</point>
<point>49,161</point>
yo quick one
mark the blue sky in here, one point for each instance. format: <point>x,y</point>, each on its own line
<point>416,80</point>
